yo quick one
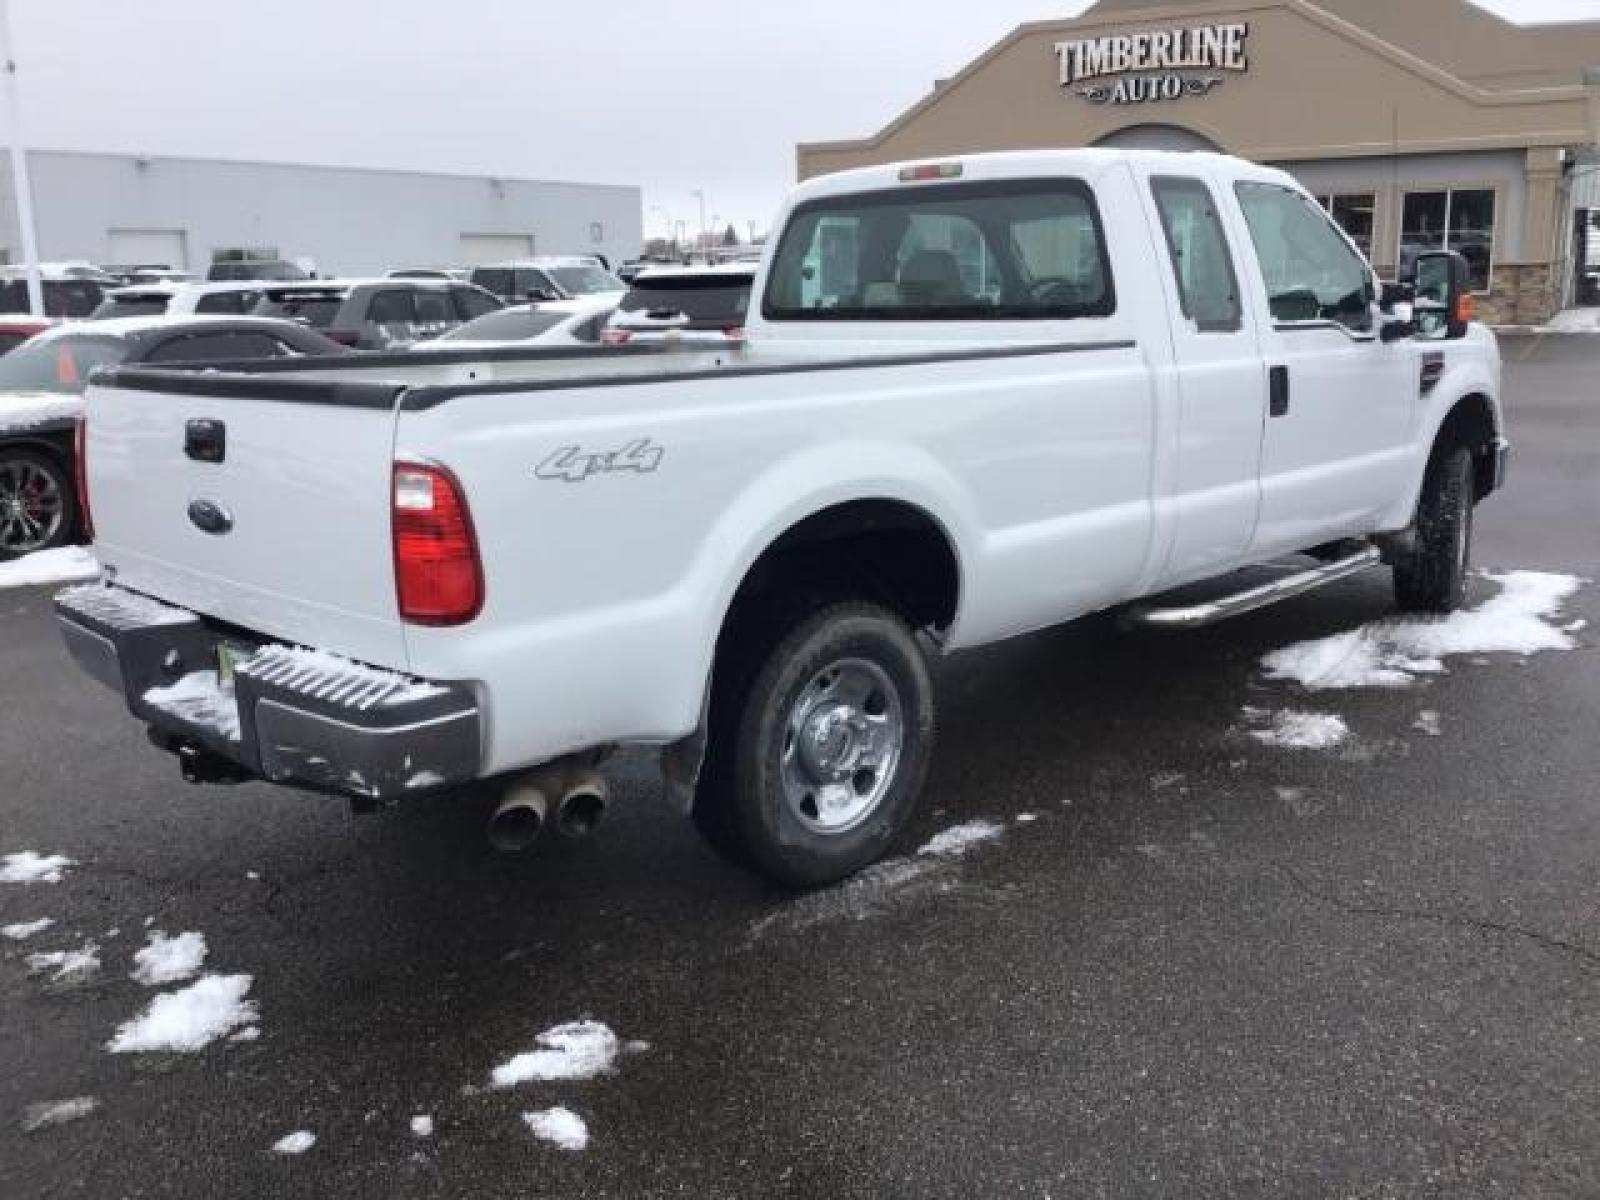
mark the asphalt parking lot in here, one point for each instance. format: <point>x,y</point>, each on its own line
<point>1207,967</point>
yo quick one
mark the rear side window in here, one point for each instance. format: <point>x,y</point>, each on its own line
<point>470,302</point>
<point>69,297</point>
<point>1198,248</point>
<point>529,283</point>
<point>493,279</point>
<point>1311,273</point>
<point>434,308</point>
<point>232,304</point>
<point>709,301</point>
<point>1007,250</point>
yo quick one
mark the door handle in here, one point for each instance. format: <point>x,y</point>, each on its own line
<point>1278,392</point>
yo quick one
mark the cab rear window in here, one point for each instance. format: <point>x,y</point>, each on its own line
<point>1005,250</point>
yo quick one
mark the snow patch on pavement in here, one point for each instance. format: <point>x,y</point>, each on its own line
<point>422,1126</point>
<point>958,839</point>
<point>26,929</point>
<point>42,1116</point>
<point>575,1050</point>
<point>559,1125</point>
<point>1294,730</point>
<point>189,1019</point>
<point>295,1143</point>
<point>198,697</point>
<point>69,966</point>
<point>25,866</point>
<point>66,564</point>
<point>1428,722</point>
<point>1392,652</point>
<point>168,959</point>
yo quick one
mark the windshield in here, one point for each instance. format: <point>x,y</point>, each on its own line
<point>506,325</point>
<point>59,364</point>
<point>712,301</point>
<point>585,281</point>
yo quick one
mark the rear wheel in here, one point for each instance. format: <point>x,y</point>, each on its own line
<point>37,507</point>
<point>820,738</point>
<point>1432,578</point>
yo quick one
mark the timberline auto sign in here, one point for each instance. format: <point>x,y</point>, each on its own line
<point>1142,68</point>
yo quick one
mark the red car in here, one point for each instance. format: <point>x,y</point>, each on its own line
<point>14,330</point>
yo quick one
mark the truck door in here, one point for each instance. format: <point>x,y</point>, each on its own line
<point>1336,450</point>
<point>1213,493</point>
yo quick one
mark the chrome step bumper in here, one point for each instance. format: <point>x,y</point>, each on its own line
<point>278,712</point>
<point>1196,616</point>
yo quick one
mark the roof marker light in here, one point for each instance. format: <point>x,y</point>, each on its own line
<point>949,170</point>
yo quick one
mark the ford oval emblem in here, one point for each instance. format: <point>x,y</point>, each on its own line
<point>210,517</point>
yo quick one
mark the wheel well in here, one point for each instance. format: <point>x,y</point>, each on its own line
<point>884,550</point>
<point>57,448</point>
<point>1470,424</point>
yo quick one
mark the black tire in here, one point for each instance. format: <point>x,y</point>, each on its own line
<point>742,805</point>
<point>1432,578</point>
<point>27,478</point>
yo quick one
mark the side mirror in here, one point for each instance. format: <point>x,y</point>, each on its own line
<point>1444,300</point>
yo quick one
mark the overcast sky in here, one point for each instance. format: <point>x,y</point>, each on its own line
<point>671,94</point>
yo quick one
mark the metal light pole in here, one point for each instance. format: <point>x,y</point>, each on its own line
<point>21,185</point>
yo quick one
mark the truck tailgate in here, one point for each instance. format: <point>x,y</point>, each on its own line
<point>260,502</point>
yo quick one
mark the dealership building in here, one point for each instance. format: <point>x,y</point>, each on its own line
<point>183,212</point>
<point>1420,125</point>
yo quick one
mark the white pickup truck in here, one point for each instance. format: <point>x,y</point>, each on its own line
<point>977,397</point>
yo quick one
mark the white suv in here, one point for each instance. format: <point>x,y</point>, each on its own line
<point>572,277</point>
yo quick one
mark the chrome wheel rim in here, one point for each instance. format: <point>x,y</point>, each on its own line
<point>31,506</point>
<point>841,746</point>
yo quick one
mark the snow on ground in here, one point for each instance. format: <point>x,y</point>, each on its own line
<point>1303,731</point>
<point>189,1019</point>
<point>575,1050</point>
<point>1577,626</point>
<point>168,959</point>
<point>1393,651</point>
<point>26,929</point>
<point>27,867</point>
<point>70,966</point>
<point>66,564</point>
<point>42,1116</point>
<point>295,1143</point>
<point>958,839</point>
<point>559,1125</point>
<point>422,1126</point>
<point>1428,722</point>
<point>199,698</point>
<point>1575,320</point>
<point>1027,818</point>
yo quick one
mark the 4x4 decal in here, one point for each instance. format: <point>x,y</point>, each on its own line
<point>573,464</point>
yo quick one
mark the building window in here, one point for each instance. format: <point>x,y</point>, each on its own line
<point>1353,212</point>
<point>1459,220</point>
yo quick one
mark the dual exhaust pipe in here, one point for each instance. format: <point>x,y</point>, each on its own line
<point>577,796</point>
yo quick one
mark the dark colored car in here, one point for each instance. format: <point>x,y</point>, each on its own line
<point>41,396</point>
<point>382,314</point>
<point>63,297</point>
<point>273,269</point>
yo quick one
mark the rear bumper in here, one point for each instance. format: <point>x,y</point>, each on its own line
<point>287,715</point>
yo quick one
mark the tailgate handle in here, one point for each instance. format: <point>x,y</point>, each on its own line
<point>205,440</point>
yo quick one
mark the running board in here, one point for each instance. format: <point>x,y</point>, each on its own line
<point>1198,615</point>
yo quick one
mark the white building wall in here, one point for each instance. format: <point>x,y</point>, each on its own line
<point>348,221</point>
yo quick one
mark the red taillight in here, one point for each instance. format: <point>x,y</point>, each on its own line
<point>734,333</point>
<point>615,337</point>
<point>80,473</point>
<point>345,337</point>
<point>438,579</point>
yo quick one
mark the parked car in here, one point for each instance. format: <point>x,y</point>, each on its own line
<point>669,302</point>
<point>41,390</point>
<point>1183,368</point>
<point>275,268</point>
<point>64,295</point>
<point>191,299</point>
<point>556,323</point>
<point>551,278</point>
<point>16,330</point>
<point>382,314</point>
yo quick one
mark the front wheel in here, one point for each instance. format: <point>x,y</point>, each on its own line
<point>1432,578</point>
<point>819,747</point>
